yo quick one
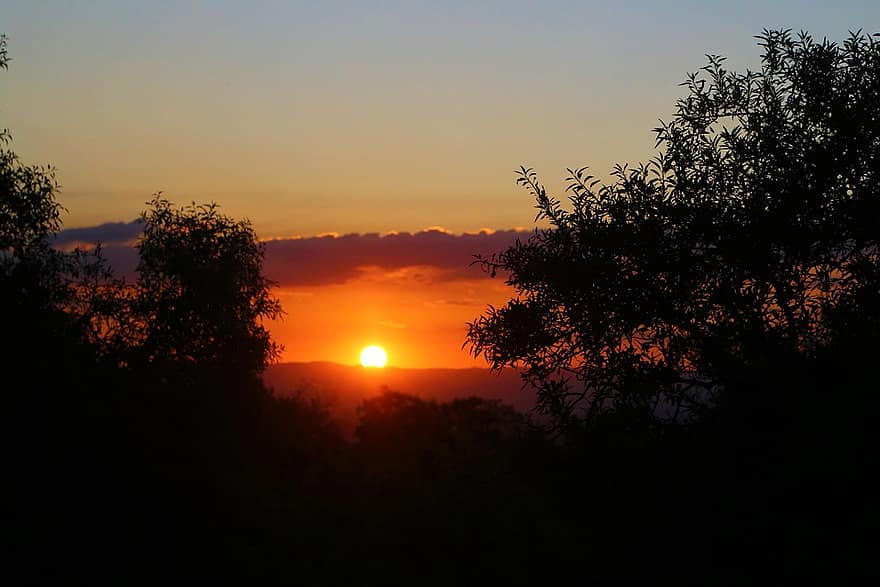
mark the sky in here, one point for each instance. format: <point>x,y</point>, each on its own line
<point>362,119</point>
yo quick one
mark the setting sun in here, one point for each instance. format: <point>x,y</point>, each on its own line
<point>373,356</point>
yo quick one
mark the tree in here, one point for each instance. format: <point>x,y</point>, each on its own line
<point>198,301</point>
<point>45,293</point>
<point>201,295</point>
<point>738,260</point>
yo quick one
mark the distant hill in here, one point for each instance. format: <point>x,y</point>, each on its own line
<point>344,387</point>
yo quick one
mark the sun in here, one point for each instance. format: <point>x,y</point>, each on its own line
<point>374,356</point>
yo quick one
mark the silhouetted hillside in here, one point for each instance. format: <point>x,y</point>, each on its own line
<point>343,388</point>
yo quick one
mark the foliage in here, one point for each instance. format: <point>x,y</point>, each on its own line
<point>201,293</point>
<point>748,245</point>
<point>198,300</point>
<point>41,288</point>
<point>405,424</point>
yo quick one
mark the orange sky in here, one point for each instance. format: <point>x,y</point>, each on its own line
<point>411,293</point>
<point>419,322</point>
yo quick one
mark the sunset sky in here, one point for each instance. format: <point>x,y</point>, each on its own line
<point>372,144</point>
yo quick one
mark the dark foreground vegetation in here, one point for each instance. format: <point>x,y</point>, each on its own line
<point>701,333</point>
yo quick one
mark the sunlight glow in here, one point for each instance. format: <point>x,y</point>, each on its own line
<point>373,356</point>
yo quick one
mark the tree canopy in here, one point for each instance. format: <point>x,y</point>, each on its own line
<point>748,245</point>
<point>43,291</point>
<point>201,295</point>
<point>197,304</point>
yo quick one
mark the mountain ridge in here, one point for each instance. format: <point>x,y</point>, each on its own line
<point>342,388</point>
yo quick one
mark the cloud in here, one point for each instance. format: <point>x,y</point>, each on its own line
<point>111,233</point>
<point>337,259</point>
<point>329,258</point>
<point>464,303</point>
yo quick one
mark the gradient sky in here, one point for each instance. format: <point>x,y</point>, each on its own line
<point>359,117</point>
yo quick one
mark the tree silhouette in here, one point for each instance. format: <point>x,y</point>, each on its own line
<point>201,294</point>
<point>45,293</point>
<point>197,304</point>
<point>738,259</point>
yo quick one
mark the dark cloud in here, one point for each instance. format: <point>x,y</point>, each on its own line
<point>111,233</point>
<point>326,260</point>
<point>337,259</point>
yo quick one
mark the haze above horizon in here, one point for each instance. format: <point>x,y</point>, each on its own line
<point>312,117</point>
